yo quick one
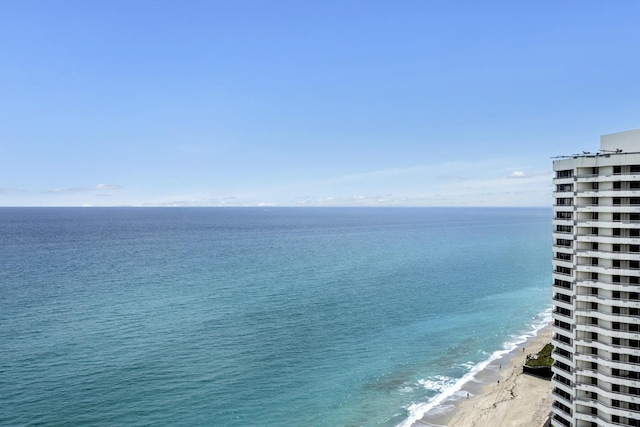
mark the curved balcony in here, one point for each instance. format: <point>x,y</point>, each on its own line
<point>565,305</point>
<point>608,331</point>
<point>607,285</point>
<point>560,398</point>
<point>610,379</point>
<point>562,276</point>
<point>562,235</point>
<point>609,348</point>
<point>606,192</point>
<point>607,394</point>
<point>562,358</point>
<point>605,316</point>
<point>618,271</point>
<point>563,180</point>
<point>591,298</point>
<point>561,286</point>
<point>602,254</point>
<point>562,263</point>
<point>592,420</point>
<point>588,222</point>
<point>600,238</point>
<point>608,207</point>
<point>560,371</point>
<point>563,247</point>
<point>591,269</point>
<point>592,344</point>
<point>565,222</point>
<point>563,345</point>
<point>607,409</point>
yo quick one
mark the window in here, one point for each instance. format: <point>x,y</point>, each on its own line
<point>562,283</point>
<point>616,216</point>
<point>615,326</point>
<point>617,170</point>
<point>594,246</point>
<point>568,173</point>
<point>617,185</point>
<point>616,248</point>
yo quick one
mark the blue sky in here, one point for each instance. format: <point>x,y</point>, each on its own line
<point>301,103</point>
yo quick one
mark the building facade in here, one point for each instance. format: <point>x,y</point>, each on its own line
<point>596,285</point>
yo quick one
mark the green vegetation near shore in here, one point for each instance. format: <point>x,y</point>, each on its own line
<point>543,358</point>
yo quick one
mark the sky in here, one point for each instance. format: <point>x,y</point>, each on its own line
<point>307,103</point>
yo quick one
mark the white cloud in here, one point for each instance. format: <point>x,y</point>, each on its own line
<point>68,190</point>
<point>99,187</point>
<point>481,183</point>
<point>108,187</point>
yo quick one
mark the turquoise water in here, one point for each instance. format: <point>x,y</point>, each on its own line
<point>246,316</point>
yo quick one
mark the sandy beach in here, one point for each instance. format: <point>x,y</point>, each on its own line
<point>517,399</point>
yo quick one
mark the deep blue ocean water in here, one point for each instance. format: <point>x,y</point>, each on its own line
<point>258,317</point>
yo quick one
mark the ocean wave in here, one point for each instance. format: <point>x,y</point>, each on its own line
<point>450,387</point>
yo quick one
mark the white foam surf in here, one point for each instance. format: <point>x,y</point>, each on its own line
<point>418,410</point>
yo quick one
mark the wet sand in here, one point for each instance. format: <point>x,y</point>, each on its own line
<point>516,399</point>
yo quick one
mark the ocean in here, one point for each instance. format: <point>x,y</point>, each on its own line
<point>259,317</point>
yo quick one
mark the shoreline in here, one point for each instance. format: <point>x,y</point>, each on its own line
<point>498,393</point>
<point>501,394</point>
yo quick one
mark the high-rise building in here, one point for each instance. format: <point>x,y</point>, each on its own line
<point>596,285</point>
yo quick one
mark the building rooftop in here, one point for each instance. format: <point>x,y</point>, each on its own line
<point>627,142</point>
